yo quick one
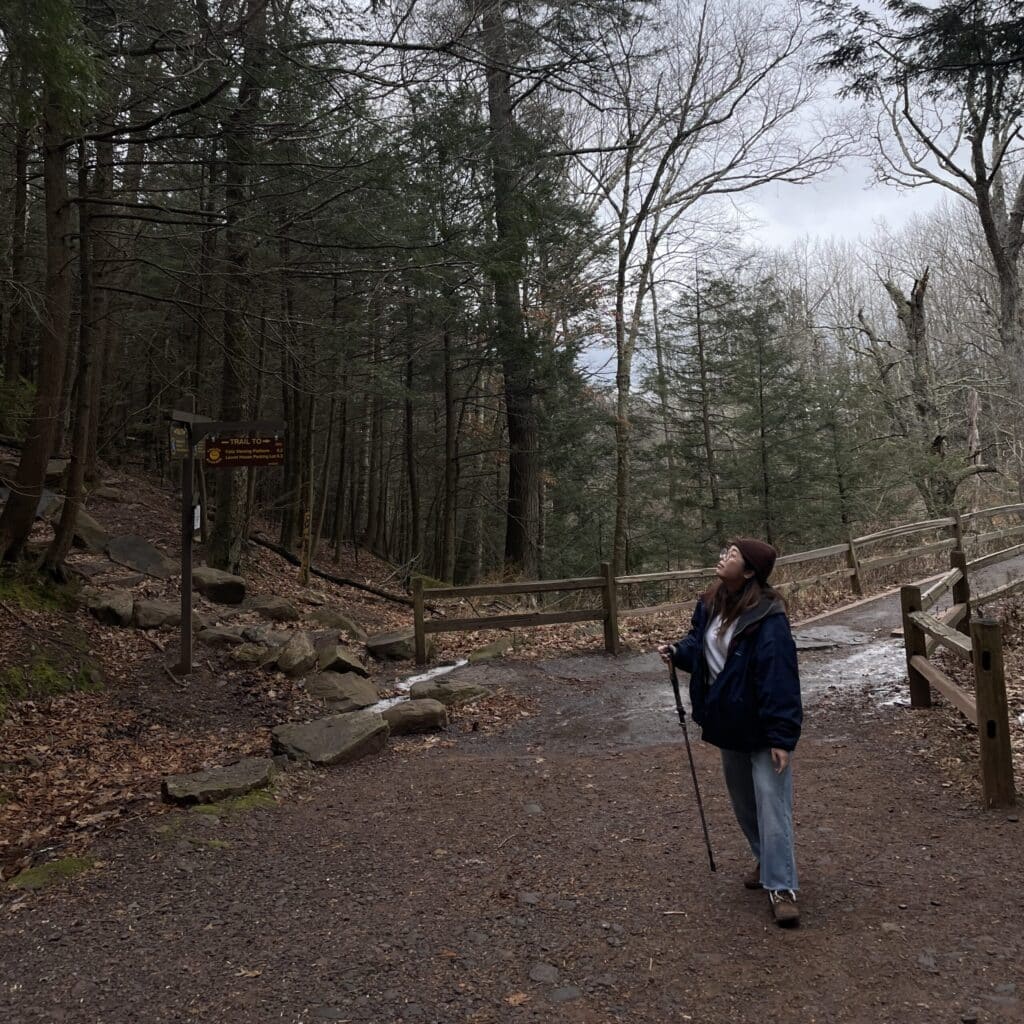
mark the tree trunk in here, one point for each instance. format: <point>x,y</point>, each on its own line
<point>19,512</point>
<point>225,548</point>
<point>14,302</point>
<point>449,511</point>
<point>710,458</point>
<point>415,525</point>
<point>506,272</point>
<point>53,561</point>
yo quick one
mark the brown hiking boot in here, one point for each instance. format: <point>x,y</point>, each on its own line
<point>752,880</point>
<point>784,908</point>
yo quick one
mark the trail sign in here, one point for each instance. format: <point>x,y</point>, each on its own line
<point>178,437</point>
<point>217,443</point>
<point>243,450</point>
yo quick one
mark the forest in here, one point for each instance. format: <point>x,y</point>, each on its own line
<point>491,265</point>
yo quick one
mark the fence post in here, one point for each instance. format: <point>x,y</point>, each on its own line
<point>915,642</point>
<point>962,590</point>
<point>417,618</point>
<point>852,562</point>
<point>611,610</point>
<point>958,531</point>
<point>993,717</point>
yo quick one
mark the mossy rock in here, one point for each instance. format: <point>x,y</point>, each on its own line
<point>256,800</point>
<point>51,873</point>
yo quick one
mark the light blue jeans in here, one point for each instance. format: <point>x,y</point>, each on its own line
<point>763,802</point>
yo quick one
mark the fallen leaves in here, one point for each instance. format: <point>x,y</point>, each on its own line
<point>517,999</point>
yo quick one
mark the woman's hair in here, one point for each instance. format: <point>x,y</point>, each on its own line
<point>719,600</point>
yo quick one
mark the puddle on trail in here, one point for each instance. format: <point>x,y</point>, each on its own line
<point>640,708</point>
<point>880,668</point>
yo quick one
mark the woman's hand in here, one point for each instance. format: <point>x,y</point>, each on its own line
<point>665,650</point>
<point>780,758</point>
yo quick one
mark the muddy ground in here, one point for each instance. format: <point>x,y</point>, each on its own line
<point>555,871</point>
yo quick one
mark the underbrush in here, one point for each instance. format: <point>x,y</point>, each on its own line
<point>50,656</point>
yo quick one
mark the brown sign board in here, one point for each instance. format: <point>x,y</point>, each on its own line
<point>243,450</point>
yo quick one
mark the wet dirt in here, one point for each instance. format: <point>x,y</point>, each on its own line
<point>556,871</point>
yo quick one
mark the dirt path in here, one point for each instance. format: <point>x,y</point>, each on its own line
<point>554,872</point>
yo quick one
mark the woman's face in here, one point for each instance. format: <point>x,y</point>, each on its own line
<point>731,568</point>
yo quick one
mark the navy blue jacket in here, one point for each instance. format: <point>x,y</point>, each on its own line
<point>755,701</point>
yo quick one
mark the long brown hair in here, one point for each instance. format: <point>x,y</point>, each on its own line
<point>719,600</point>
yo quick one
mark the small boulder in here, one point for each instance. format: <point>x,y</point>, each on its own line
<point>254,654</point>
<point>332,657</point>
<point>399,645</point>
<point>412,716</point>
<point>343,692</point>
<point>153,614</point>
<point>138,554</point>
<point>277,609</point>
<point>218,586</point>
<point>215,784</point>
<point>334,619</point>
<point>89,534</point>
<point>105,493</point>
<point>220,636</point>
<point>497,649</point>
<point>113,607</point>
<point>451,693</point>
<point>334,740</point>
<point>298,656</point>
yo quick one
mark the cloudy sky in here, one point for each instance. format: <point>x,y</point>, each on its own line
<point>847,204</point>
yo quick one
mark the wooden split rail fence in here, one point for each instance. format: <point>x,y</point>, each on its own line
<point>857,555</point>
<point>977,641</point>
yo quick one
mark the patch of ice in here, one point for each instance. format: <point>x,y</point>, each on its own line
<point>403,686</point>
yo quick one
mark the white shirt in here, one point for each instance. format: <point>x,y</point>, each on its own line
<point>716,643</point>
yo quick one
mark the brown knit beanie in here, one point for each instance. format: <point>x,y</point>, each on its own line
<point>760,557</point>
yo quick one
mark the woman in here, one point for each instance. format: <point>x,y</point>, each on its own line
<point>745,695</point>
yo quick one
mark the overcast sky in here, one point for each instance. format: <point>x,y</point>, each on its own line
<point>847,204</point>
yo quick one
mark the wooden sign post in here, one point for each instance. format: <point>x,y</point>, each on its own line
<point>228,445</point>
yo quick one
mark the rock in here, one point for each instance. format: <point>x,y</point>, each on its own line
<point>140,555</point>
<point>544,973</point>
<point>412,716</point>
<point>451,693</point>
<point>114,607</point>
<point>254,654</point>
<point>498,649</point>
<point>218,586</point>
<point>332,657</point>
<point>266,635</point>
<point>220,636</point>
<point>275,608</point>
<point>334,619</point>
<point>297,656</point>
<point>152,614</point>
<point>397,646</point>
<point>334,740</point>
<point>343,692</point>
<point>215,784</point>
<point>105,493</point>
<point>89,534</point>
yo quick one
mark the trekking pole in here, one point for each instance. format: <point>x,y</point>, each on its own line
<point>689,753</point>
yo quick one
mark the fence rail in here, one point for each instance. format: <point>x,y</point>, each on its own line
<point>978,642</point>
<point>854,571</point>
